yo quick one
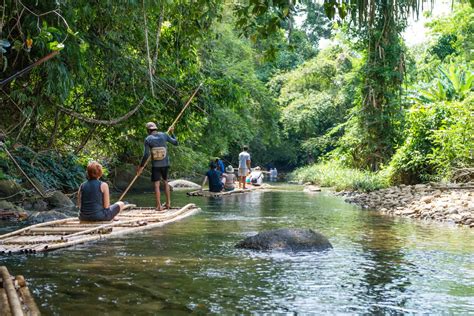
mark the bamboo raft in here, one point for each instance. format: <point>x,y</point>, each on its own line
<point>15,297</point>
<point>71,231</point>
<point>224,193</point>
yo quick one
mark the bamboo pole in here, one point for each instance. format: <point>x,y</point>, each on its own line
<point>122,226</point>
<point>4,306</point>
<point>28,299</point>
<point>18,232</point>
<point>2,144</point>
<point>13,299</point>
<point>177,216</point>
<point>28,68</point>
<point>171,127</point>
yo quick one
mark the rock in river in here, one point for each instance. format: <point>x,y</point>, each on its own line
<point>184,184</point>
<point>311,189</point>
<point>287,239</point>
<point>60,200</point>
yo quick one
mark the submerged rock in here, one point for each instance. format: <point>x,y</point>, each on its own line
<point>183,184</point>
<point>286,239</point>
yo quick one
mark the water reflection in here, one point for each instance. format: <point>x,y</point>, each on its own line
<point>379,265</point>
<point>385,272</point>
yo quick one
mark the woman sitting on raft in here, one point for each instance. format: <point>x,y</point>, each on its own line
<point>93,198</point>
<point>229,178</point>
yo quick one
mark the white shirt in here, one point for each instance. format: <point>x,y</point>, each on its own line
<point>243,157</point>
<point>256,176</point>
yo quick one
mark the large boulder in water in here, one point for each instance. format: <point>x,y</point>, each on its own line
<point>287,239</point>
<point>184,184</point>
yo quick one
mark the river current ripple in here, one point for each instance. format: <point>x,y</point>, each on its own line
<point>379,264</point>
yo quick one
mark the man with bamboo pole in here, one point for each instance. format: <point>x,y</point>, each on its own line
<point>156,146</point>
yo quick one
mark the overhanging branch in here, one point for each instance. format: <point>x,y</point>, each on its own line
<point>102,122</point>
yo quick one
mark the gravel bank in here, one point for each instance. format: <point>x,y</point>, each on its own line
<point>440,202</point>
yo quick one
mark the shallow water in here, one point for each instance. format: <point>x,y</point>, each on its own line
<point>379,264</point>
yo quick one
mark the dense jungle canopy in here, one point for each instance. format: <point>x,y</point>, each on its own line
<point>366,102</point>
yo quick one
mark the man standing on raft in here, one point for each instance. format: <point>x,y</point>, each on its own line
<point>244,166</point>
<point>155,143</point>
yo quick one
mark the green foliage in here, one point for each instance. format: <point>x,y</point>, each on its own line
<point>439,125</point>
<point>315,98</point>
<point>453,82</point>
<point>454,141</point>
<point>333,174</point>
<point>453,35</point>
<point>272,90</point>
<point>51,169</point>
<point>444,46</point>
<point>439,139</point>
<point>102,72</point>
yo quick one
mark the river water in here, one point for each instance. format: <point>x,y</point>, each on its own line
<point>379,264</point>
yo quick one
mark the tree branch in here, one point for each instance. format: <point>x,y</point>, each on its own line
<point>101,122</point>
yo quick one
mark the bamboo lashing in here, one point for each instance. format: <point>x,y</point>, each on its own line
<point>169,129</point>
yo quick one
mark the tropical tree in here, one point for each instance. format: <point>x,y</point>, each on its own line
<point>377,25</point>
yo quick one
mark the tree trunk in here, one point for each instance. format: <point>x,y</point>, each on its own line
<point>382,84</point>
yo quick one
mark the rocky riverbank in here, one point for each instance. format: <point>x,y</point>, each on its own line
<point>440,202</point>
<point>21,202</point>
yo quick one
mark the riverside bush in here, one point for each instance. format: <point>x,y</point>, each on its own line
<point>333,174</point>
<point>53,170</point>
<point>439,139</point>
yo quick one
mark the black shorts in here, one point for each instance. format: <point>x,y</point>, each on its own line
<point>158,173</point>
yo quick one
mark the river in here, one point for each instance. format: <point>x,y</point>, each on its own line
<point>379,264</point>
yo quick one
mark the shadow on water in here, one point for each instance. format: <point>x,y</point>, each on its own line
<point>379,264</point>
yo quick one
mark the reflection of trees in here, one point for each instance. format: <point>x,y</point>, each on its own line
<point>384,273</point>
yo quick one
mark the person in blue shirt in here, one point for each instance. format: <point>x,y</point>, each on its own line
<point>156,147</point>
<point>220,165</point>
<point>214,177</point>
